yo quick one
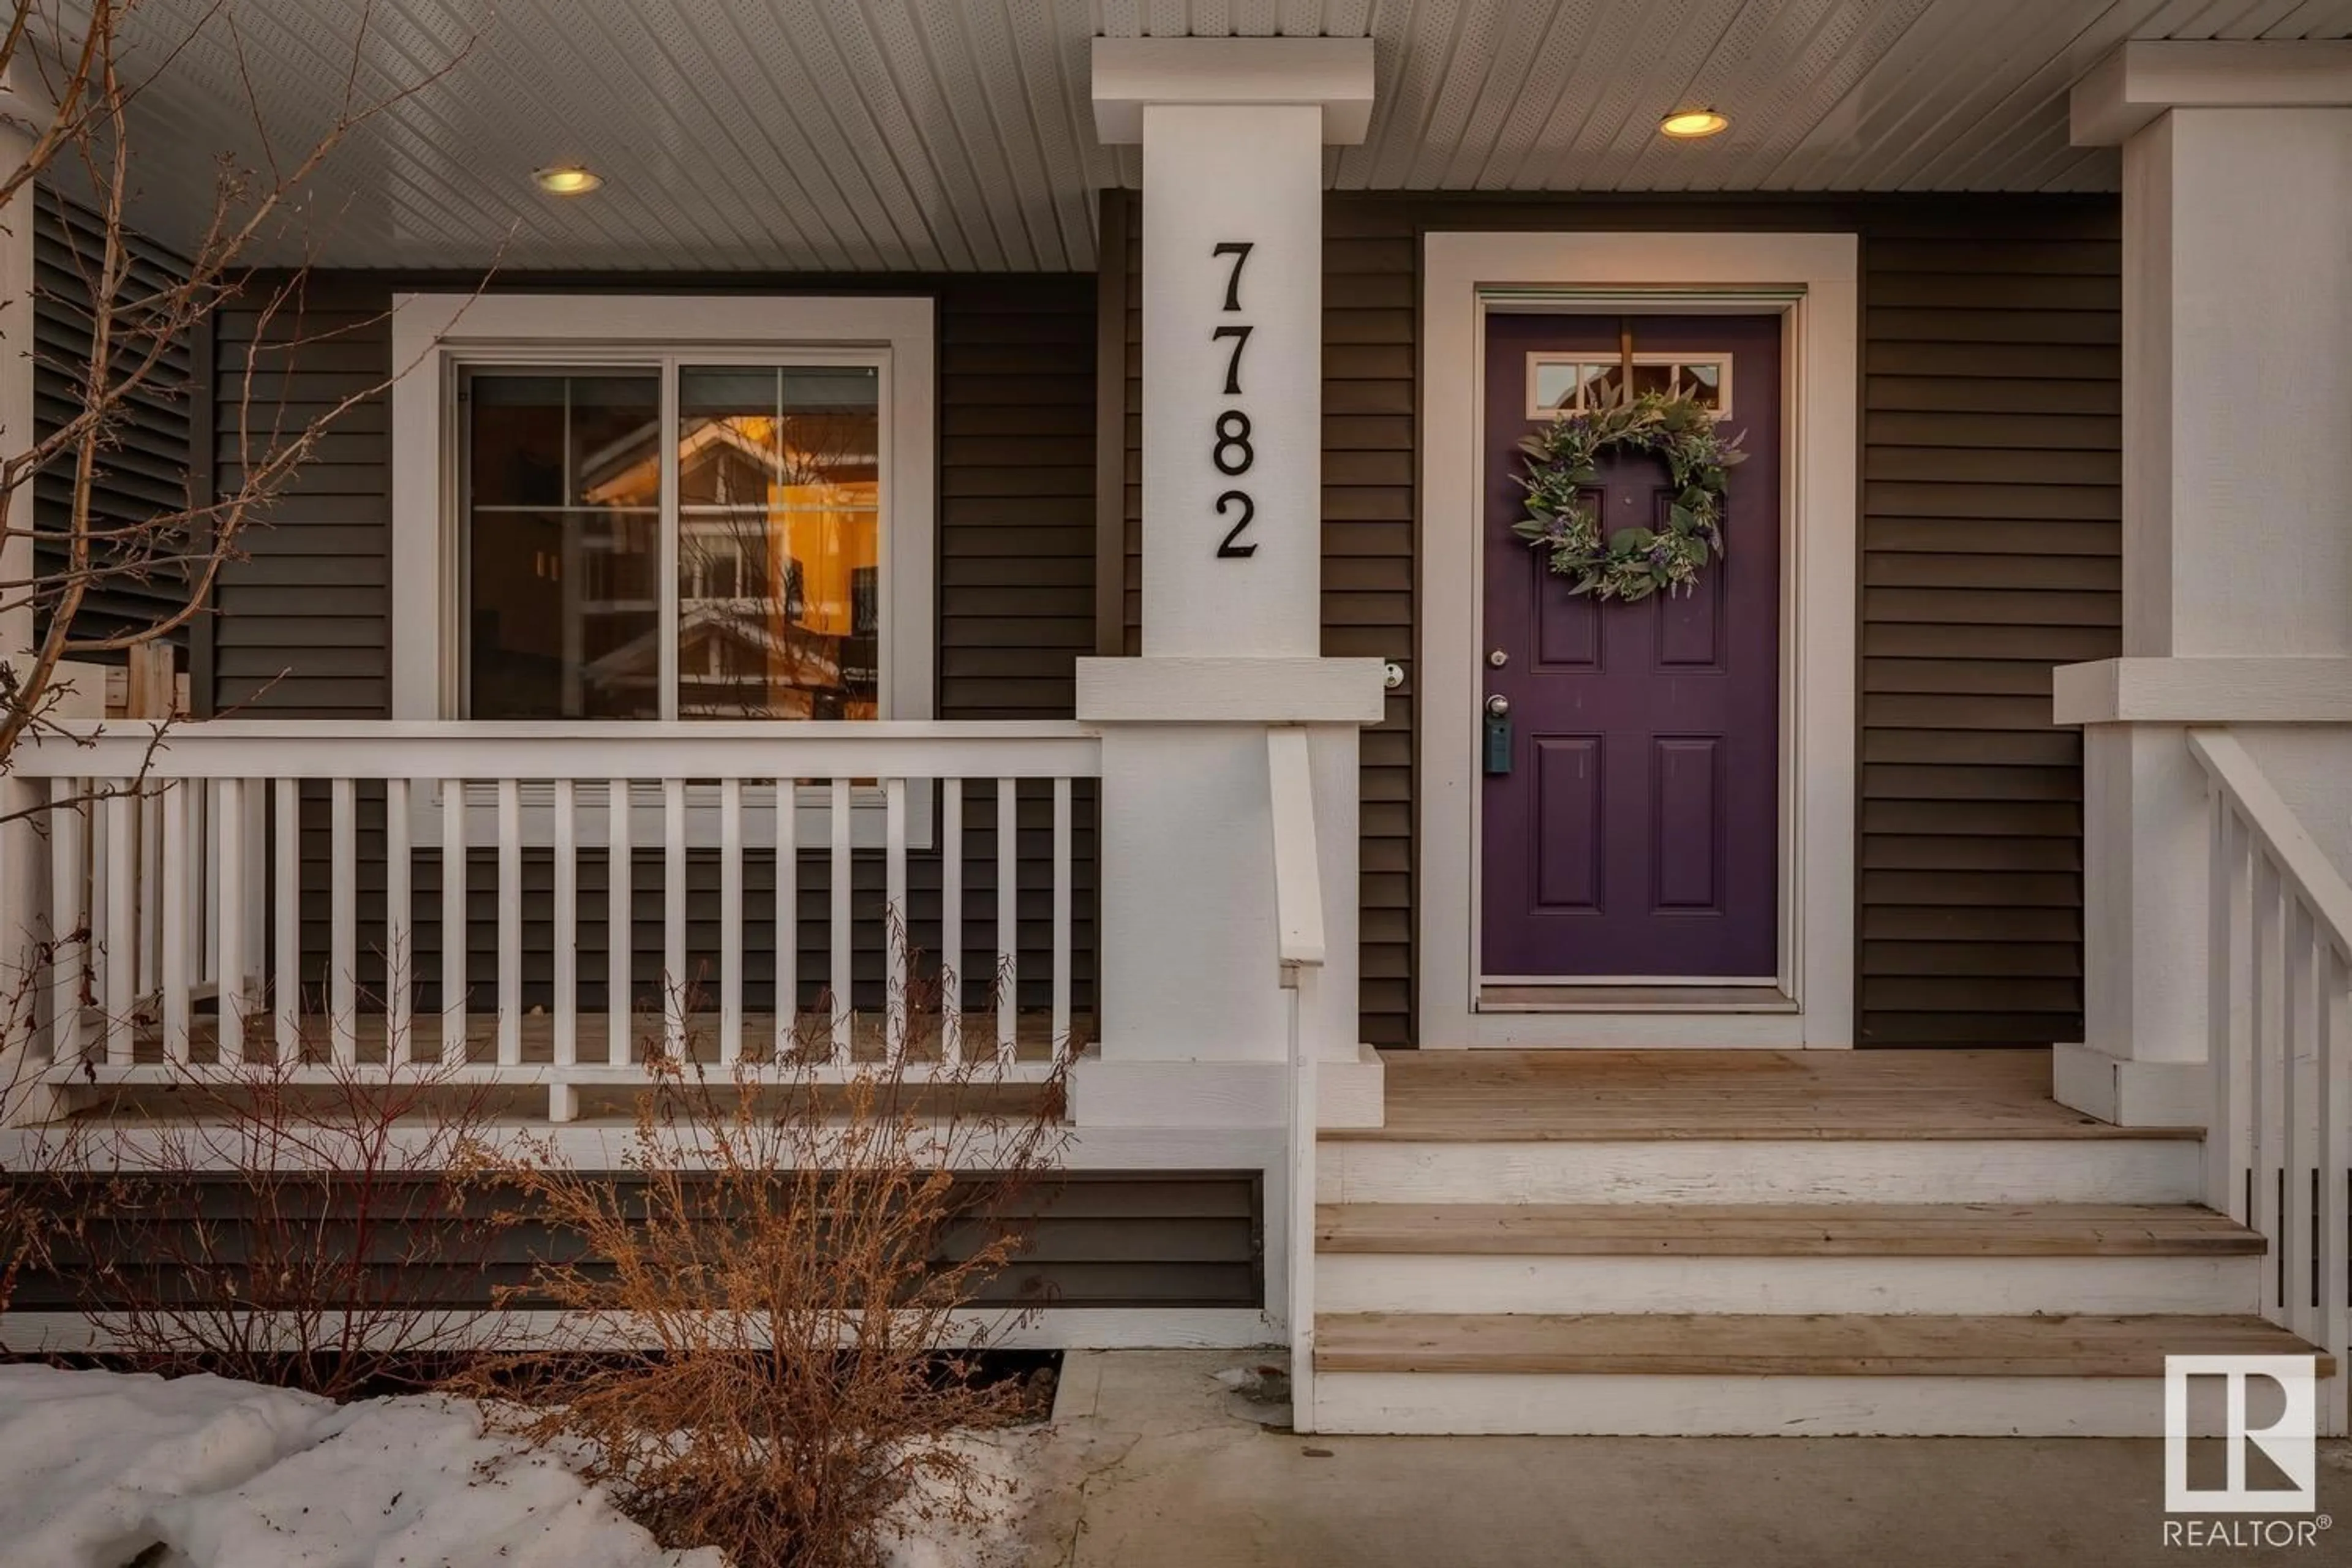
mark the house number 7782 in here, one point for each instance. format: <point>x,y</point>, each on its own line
<point>1230,448</point>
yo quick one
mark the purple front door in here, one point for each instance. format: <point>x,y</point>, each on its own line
<point>1635,836</point>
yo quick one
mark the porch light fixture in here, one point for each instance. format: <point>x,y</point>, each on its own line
<point>566,180</point>
<point>1689,125</point>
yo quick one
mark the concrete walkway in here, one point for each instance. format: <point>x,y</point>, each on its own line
<point>1152,1461</point>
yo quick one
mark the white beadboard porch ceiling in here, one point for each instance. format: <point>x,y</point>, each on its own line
<point>958,135</point>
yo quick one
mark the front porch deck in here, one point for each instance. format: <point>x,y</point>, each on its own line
<point>1480,1096</point>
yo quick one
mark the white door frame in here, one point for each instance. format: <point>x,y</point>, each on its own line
<point>1812,279</point>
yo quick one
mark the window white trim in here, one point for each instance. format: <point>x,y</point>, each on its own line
<point>1812,280</point>
<point>434,334</point>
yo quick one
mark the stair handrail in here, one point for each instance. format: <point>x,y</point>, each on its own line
<point>2279,1044</point>
<point>2232,771</point>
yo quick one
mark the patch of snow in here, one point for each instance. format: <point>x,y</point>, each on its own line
<point>413,1480</point>
<point>999,1460</point>
<point>87,1457</point>
<point>97,1468</point>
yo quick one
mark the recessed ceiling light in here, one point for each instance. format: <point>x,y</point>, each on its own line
<point>567,180</point>
<point>1691,123</point>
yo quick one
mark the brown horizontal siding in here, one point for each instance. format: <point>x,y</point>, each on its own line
<point>1991,503</point>
<point>1991,510</point>
<point>303,626</point>
<point>1094,1239</point>
<point>140,470</point>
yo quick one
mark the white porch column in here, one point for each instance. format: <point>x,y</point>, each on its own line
<point>1194,1020</point>
<point>24,882</point>
<point>2237,532</point>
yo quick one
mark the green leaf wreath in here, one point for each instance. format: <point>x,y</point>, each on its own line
<point>1564,462</point>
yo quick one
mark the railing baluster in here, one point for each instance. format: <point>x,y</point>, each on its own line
<point>94,952</point>
<point>1063,895</point>
<point>2224,863</point>
<point>229,890</point>
<point>840,939</point>
<point>343,896</point>
<point>204,881</point>
<point>896,1002</point>
<point>2262,972</point>
<point>1008,916</point>
<point>68,901</point>
<point>204,857</point>
<point>147,842</point>
<point>2332,1028</point>
<point>286,975</point>
<point>619,937</point>
<point>567,926</point>
<point>121,956</point>
<point>731,920</point>
<point>454,935</point>
<point>788,913</point>
<point>399,929</point>
<point>176,829</point>
<point>2297,1307</point>
<point>256,914</point>
<point>509,923</point>
<point>951,920</point>
<point>674,976</point>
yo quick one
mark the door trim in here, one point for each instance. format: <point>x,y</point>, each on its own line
<point>1812,282</point>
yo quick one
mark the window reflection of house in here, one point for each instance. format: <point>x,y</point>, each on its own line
<point>778,582</point>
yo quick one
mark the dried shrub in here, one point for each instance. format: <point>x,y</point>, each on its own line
<point>296,1224</point>
<point>750,1345</point>
<point>35,1206</point>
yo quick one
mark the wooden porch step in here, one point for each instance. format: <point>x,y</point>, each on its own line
<point>1707,1096</point>
<point>1787,1346</point>
<point>1784,1230</point>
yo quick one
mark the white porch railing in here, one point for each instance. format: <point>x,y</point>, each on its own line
<point>174,880</point>
<point>1300,947</point>
<point>2280,1030</point>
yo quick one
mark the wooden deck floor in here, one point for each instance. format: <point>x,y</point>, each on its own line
<point>1476,1096</point>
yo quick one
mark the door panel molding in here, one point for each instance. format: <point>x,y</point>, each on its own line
<point>1812,282</point>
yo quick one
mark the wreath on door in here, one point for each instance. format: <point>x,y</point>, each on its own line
<point>1634,562</point>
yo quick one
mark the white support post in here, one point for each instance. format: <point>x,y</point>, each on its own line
<point>2237,196</point>
<point>1233,133</point>
<point>22,867</point>
<point>25,1099</point>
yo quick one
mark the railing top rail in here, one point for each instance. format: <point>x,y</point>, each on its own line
<point>1298,871</point>
<point>424,750</point>
<point>2303,866</point>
